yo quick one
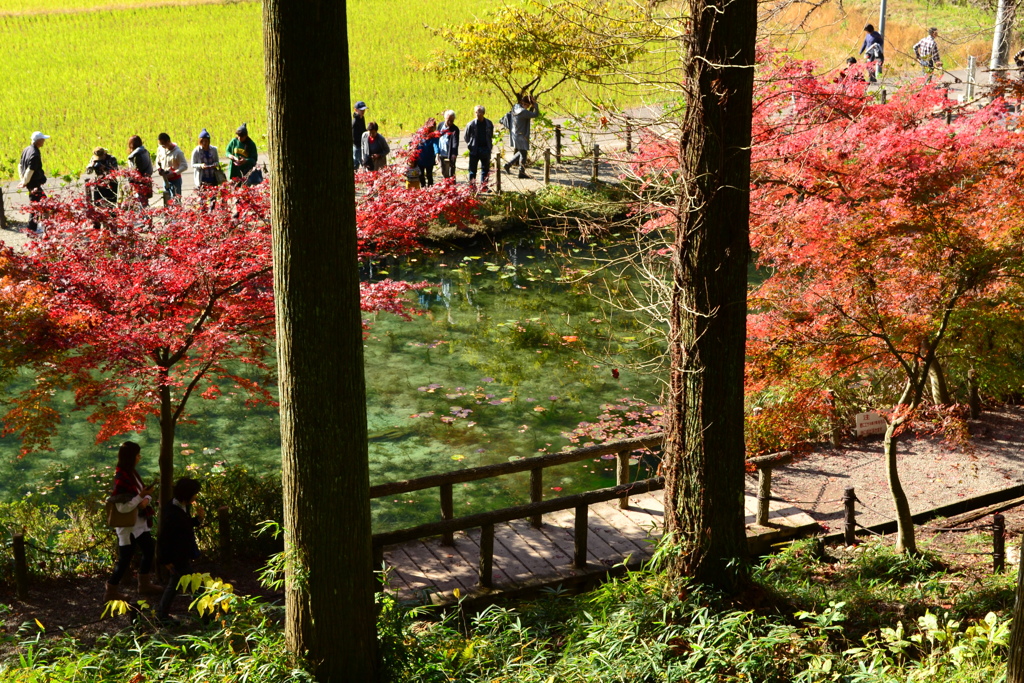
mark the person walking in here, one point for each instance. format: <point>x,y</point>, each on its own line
<point>243,154</point>
<point>374,148</point>
<point>132,516</point>
<point>177,542</point>
<point>872,51</point>
<point>32,177</point>
<point>446,145</point>
<point>519,131</point>
<point>358,129</point>
<point>927,52</point>
<point>479,137</point>
<point>140,161</point>
<point>170,164</point>
<point>426,153</point>
<point>102,193</point>
<point>206,162</point>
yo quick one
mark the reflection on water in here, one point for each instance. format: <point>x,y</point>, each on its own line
<point>508,354</point>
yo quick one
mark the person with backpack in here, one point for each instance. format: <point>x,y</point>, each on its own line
<point>177,543</point>
<point>517,121</point>
<point>446,145</point>
<point>130,512</point>
<point>872,51</point>
<point>927,52</point>
<point>426,153</point>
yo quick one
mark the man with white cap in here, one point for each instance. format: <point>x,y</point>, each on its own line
<point>358,128</point>
<point>30,169</point>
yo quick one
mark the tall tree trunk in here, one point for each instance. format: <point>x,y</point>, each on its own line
<point>937,380</point>
<point>330,615</point>
<point>704,448</point>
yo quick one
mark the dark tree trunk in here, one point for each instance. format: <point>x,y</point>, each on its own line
<point>704,448</point>
<point>1015,657</point>
<point>166,460</point>
<point>3,211</point>
<point>330,614</point>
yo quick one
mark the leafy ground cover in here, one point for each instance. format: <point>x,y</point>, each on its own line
<point>846,614</point>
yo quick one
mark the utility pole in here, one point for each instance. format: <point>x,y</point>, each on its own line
<point>1000,39</point>
<point>881,30</point>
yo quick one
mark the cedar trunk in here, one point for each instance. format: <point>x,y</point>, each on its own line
<point>1015,657</point>
<point>330,616</point>
<point>704,447</point>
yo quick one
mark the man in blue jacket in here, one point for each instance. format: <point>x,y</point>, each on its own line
<point>479,137</point>
<point>872,50</point>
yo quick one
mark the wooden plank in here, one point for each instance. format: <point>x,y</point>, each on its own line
<point>396,582</point>
<point>410,573</point>
<point>557,557</point>
<point>430,568</point>
<point>604,527</point>
<point>975,515</point>
<point>516,543</point>
<point>458,569</point>
<point>508,551</point>
<point>631,525</point>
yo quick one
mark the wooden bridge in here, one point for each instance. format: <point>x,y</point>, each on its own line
<point>561,541</point>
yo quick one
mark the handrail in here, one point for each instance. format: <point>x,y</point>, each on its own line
<point>511,514</point>
<point>524,465</point>
<point>580,502</point>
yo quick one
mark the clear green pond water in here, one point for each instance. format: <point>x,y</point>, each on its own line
<point>509,355</point>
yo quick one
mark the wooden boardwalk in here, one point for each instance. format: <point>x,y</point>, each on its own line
<point>525,558</point>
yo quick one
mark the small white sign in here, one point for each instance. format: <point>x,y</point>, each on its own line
<point>869,423</point>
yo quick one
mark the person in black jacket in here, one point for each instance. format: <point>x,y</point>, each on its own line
<point>30,171</point>
<point>479,137</point>
<point>358,128</point>
<point>177,541</point>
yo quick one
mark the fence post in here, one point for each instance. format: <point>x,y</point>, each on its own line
<point>849,517</point>
<point>447,512</point>
<point>497,173</point>
<point>487,556</point>
<point>622,476</point>
<point>998,543</point>
<point>224,530</point>
<point>558,143</point>
<point>597,161</point>
<point>629,136</point>
<point>3,213</point>
<point>949,117</point>
<point>579,538</point>
<point>974,401</point>
<point>764,492</point>
<point>547,167</point>
<point>885,96</point>
<point>536,493</point>
<point>378,566</point>
<point>20,566</point>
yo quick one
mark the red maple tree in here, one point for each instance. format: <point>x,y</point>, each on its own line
<point>157,306</point>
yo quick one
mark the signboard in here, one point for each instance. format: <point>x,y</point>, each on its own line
<point>869,423</point>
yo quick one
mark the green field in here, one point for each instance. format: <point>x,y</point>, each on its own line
<point>96,77</point>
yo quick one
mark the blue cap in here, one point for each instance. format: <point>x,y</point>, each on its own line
<point>203,133</point>
<point>360,105</point>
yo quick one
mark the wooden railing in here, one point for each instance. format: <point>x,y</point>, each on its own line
<point>533,510</point>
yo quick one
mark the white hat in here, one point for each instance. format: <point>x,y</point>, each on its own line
<point>37,136</point>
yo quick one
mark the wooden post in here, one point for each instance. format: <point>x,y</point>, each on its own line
<point>629,136</point>
<point>764,492</point>
<point>20,567</point>
<point>949,116</point>
<point>487,556</point>
<point>536,493</point>
<point>3,213</point>
<point>224,530</point>
<point>579,538</point>
<point>622,476</point>
<point>849,517</point>
<point>497,173</point>
<point>558,143</point>
<point>447,512</point>
<point>885,96</point>
<point>974,401</point>
<point>597,161</point>
<point>998,543</point>
<point>547,167</point>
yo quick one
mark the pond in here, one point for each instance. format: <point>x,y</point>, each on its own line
<point>511,353</point>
